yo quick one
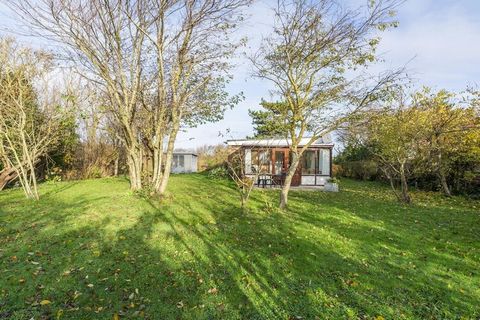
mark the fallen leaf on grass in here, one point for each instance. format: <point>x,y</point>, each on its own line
<point>213,291</point>
<point>76,295</point>
<point>351,283</point>
<point>45,302</point>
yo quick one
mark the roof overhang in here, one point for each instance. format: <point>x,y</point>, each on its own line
<point>184,153</point>
<point>272,143</point>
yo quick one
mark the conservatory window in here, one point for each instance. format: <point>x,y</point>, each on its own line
<point>324,162</point>
<point>308,164</point>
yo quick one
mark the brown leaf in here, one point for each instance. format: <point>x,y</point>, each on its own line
<point>213,291</point>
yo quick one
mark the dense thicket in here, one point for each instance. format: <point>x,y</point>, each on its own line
<point>159,65</point>
<point>430,140</point>
<point>35,114</point>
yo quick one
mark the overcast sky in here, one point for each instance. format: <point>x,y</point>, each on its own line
<point>439,39</point>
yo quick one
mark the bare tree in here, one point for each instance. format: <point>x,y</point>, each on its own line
<point>162,63</point>
<point>104,40</point>
<point>315,59</point>
<point>31,111</point>
<point>243,177</point>
<point>100,150</point>
<point>193,42</point>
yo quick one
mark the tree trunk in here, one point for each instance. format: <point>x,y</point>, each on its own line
<point>157,166</point>
<point>243,200</point>
<point>115,166</point>
<point>288,181</point>
<point>6,176</point>
<point>392,185</point>
<point>389,176</point>
<point>444,184</point>
<point>442,177</point>
<point>168,160</point>
<point>32,178</point>
<point>403,181</point>
<point>135,168</point>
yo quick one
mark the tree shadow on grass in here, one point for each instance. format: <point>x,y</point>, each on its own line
<point>230,223</point>
<point>426,258</point>
<point>199,256</point>
<point>397,276</point>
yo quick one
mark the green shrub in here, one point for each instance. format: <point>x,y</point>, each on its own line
<point>218,172</point>
<point>333,180</point>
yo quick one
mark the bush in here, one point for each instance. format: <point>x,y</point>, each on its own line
<point>54,175</point>
<point>218,172</point>
<point>333,180</point>
<point>362,170</point>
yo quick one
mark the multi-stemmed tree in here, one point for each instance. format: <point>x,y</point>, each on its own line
<point>33,113</point>
<point>418,136</point>
<point>162,64</point>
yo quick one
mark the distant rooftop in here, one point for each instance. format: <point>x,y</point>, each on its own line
<point>324,141</point>
<point>184,152</point>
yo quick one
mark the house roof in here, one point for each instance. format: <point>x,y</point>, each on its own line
<point>324,141</point>
<point>184,152</point>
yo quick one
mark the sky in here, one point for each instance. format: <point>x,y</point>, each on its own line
<point>437,40</point>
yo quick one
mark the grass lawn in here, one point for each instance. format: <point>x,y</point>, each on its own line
<point>93,250</point>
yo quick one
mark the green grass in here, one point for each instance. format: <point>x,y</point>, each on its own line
<point>93,249</point>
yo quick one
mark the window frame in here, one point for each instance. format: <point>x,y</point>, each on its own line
<point>315,162</point>
<point>256,164</point>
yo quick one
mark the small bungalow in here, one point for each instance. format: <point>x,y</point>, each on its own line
<point>184,162</point>
<point>269,159</point>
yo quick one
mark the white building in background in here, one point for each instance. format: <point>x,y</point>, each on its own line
<point>184,162</point>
